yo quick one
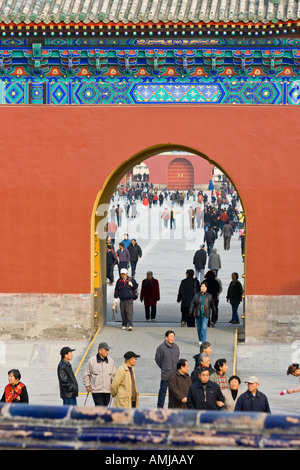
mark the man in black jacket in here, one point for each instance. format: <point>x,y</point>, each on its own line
<point>135,252</point>
<point>199,261</point>
<point>111,261</point>
<point>68,385</point>
<point>186,292</point>
<point>209,238</point>
<point>205,394</point>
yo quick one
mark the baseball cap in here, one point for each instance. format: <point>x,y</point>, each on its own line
<point>66,350</point>
<point>252,380</point>
<point>123,271</point>
<point>130,354</point>
<point>104,346</point>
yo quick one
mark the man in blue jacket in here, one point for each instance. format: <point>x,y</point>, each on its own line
<point>253,399</point>
<point>125,290</point>
<point>204,394</point>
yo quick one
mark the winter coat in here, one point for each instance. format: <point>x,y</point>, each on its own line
<point>99,373</point>
<point>179,385</point>
<point>215,378</point>
<point>111,229</point>
<point>123,255</point>
<point>201,399</point>
<point>121,387</point>
<point>135,252</point>
<point>123,290</point>
<point>15,393</point>
<point>258,403</point>
<point>213,287</point>
<point>166,357</point>
<point>235,292</point>
<point>229,401</point>
<point>208,304</point>
<point>209,236</point>
<point>214,260</point>
<point>126,243</point>
<point>150,293</point>
<point>111,258</point>
<point>186,292</point>
<point>199,260</point>
<point>68,385</point>
<point>227,231</point>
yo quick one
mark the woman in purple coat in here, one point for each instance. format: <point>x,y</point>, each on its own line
<point>150,295</point>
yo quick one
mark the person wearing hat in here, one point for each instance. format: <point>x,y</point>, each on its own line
<point>125,290</point>
<point>253,399</point>
<point>123,387</point>
<point>99,374</point>
<point>68,385</point>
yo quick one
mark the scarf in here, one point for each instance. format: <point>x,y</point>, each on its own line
<point>202,296</point>
<point>13,391</point>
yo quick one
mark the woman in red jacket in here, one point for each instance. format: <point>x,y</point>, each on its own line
<point>150,295</point>
<point>15,391</point>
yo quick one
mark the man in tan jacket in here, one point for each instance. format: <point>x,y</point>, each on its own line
<point>123,387</point>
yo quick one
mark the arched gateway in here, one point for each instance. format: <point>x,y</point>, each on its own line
<point>86,93</point>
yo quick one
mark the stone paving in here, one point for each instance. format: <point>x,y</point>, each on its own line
<point>168,254</point>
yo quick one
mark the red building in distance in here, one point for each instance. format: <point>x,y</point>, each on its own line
<point>175,170</point>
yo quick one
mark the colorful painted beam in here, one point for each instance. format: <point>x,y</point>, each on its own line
<point>142,91</point>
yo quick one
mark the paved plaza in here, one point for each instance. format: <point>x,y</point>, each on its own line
<point>168,253</point>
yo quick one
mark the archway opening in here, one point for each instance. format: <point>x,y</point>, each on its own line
<point>167,253</point>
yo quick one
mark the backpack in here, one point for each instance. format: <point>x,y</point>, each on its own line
<point>135,291</point>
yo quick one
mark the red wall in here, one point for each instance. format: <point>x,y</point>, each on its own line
<point>158,167</point>
<point>54,161</point>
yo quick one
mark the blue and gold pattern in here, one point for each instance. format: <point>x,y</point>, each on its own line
<point>89,91</point>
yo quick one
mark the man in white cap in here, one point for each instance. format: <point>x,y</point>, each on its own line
<point>98,375</point>
<point>253,399</point>
<point>125,290</point>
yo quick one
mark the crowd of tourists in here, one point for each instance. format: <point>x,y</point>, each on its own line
<point>217,214</point>
<point>208,386</point>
